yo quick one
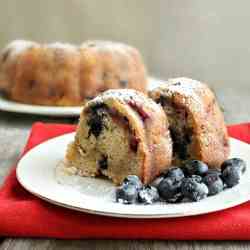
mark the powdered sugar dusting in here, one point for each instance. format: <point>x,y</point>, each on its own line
<point>107,46</point>
<point>124,95</point>
<point>18,46</point>
<point>59,45</point>
<point>95,187</point>
<point>186,87</point>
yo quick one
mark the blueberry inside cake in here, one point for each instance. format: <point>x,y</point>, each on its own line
<point>121,133</point>
<point>196,122</point>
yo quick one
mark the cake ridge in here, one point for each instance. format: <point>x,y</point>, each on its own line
<point>63,74</point>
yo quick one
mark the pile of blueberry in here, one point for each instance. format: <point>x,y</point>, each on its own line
<point>193,182</point>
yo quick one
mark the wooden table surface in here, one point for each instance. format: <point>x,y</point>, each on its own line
<point>14,129</point>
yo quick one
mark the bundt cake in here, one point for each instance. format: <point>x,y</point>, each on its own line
<point>121,132</point>
<point>196,122</point>
<point>67,75</point>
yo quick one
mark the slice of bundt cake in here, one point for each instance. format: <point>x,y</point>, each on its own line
<point>195,120</point>
<point>121,132</point>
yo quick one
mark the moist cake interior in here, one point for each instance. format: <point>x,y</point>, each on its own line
<point>107,144</point>
<point>181,130</point>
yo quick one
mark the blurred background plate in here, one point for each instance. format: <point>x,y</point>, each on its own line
<point>11,106</point>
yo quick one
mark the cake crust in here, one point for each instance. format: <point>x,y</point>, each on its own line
<point>209,140</point>
<point>149,145</point>
<point>62,74</point>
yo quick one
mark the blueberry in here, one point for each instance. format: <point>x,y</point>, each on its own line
<point>103,162</point>
<point>123,83</point>
<point>175,173</point>
<point>126,194</point>
<point>176,198</point>
<point>232,170</point>
<point>195,167</point>
<point>235,162</point>
<point>133,180</point>
<point>157,181</point>
<point>148,195</point>
<point>193,190</point>
<point>170,190</point>
<point>197,178</point>
<point>96,123</point>
<point>214,183</point>
<point>231,176</point>
<point>214,171</point>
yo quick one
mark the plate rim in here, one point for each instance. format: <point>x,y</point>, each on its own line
<point>113,214</point>
<point>58,111</point>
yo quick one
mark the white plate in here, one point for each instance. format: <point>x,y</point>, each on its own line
<point>11,106</point>
<point>38,172</point>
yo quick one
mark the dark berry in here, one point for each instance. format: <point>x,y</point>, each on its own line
<point>193,190</point>
<point>123,83</point>
<point>169,189</point>
<point>95,123</point>
<point>133,143</point>
<point>214,171</point>
<point>91,45</point>
<point>103,162</point>
<point>232,170</point>
<point>148,195</point>
<point>31,83</point>
<point>180,146</point>
<point>176,198</point>
<point>126,194</point>
<point>214,183</point>
<point>231,176</point>
<point>197,178</point>
<point>6,54</point>
<point>139,109</point>
<point>175,173</point>
<point>195,167</point>
<point>235,162</point>
<point>157,181</point>
<point>133,180</point>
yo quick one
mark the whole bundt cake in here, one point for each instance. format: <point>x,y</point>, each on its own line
<point>67,75</point>
<point>196,122</point>
<point>121,132</point>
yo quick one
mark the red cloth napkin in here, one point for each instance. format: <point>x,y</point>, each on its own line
<point>24,215</point>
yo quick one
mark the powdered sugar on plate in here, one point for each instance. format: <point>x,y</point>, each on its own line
<point>95,187</point>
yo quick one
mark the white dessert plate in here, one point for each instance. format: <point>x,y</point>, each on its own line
<point>11,106</point>
<point>40,172</point>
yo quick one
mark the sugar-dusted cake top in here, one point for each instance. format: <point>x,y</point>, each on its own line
<point>184,86</point>
<point>59,45</point>
<point>17,46</point>
<point>107,46</point>
<point>190,90</point>
<point>124,95</point>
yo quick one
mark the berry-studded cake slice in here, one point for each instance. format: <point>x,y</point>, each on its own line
<point>196,122</point>
<point>121,133</point>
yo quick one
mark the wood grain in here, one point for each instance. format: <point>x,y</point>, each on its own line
<point>28,244</point>
<point>14,129</point>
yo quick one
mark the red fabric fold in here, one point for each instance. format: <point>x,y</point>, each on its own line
<point>24,215</point>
